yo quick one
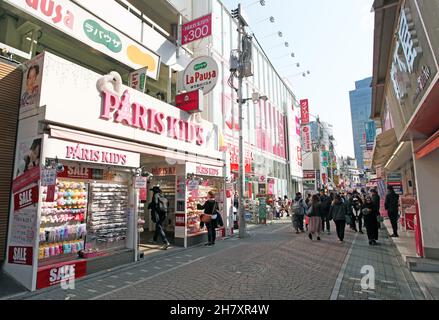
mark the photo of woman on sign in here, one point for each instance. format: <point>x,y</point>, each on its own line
<point>31,96</point>
<point>30,158</point>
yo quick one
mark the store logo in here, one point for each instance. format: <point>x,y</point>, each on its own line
<point>96,33</point>
<point>136,115</point>
<point>201,73</point>
<point>200,66</point>
<point>54,11</point>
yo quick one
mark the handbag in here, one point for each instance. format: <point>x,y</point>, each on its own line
<point>206,218</point>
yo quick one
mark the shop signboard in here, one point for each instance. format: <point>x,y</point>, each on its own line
<point>63,272</point>
<point>306,138</point>
<point>204,170</point>
<point>66,150</point>
<point>191,102</point>
<point>193,185</point>
<point>180,220</point>
<point>48,177</point>
<point>164,171</point>
<point>140,182</point>
<point>201,73</point>
<point>81,172</point>
<point>309,174</point>
<point>137,79</point>
<point>196,29</point>
<point>78,23</point>
<point>304,107</point>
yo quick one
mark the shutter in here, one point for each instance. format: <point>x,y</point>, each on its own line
<point>10,88</point>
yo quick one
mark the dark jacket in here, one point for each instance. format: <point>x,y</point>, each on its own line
<point>325,204</point>
<point>370,213</point>
<point>315,210</point>
<point>376,202</point>
<point>156,215</point>
<point>209,207</point>
<point>392,203</point>
<point>338,212</point>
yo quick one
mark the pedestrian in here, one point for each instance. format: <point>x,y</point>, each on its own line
<point>392,207</point>
<point>299,211</point>
<point>326,206</point>
<point>159,211</point>
<point>308,205</point>
<point>357,216</point>
<point>280,207</point>
<point>210,217</point>
<point>370,215</point>
<point>287,205</point>
<point>315,217</point>
<point>338,212</point>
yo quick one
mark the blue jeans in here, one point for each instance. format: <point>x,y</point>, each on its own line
<point>211,232</point>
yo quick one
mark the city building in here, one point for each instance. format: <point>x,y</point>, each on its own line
<point>75,122</point>
<point>363,128</point>
<point>405,106</point>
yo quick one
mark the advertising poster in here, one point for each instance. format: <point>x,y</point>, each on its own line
<point>28,156</point>
<point>31,86</point>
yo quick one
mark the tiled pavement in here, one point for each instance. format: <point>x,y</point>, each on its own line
<point>272,264</point>
<point>393,280</point>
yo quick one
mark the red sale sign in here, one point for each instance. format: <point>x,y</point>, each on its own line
<point>197,29</point>
<point>55,274</point>
<point>190,102</point>
<point>20,255</point>
<point>25,198</point>
<point>304,108</point>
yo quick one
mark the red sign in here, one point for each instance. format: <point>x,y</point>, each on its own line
<point>190,102</point>
<point>180,220</point>
<point>25,198</point>
<point>30,176</point>
<point>197,29</point>
<point>20,255</point>
<point>50,196</point>
<point>143,194</point>
<point>304,109</point>
<point>55,274</point>
<point>307,144</point>
<point>311,175</point>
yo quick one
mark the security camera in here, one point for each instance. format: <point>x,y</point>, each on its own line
<point>59,167</point>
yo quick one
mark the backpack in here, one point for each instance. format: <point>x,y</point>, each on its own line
<point>298,207</point>
<point>163,205</point>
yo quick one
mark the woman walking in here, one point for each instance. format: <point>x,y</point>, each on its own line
<point>338,213</point>
<point>315,214</point>
<point>370,216</point>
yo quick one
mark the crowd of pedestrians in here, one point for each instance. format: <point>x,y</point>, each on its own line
<point>356,210</point>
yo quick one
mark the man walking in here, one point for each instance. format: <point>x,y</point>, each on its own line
<point>159,210</point>
<point>299,210</point>
<point>392,207</point>
<point>326,207</point>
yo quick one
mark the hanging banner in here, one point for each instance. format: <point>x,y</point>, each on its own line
<point>137,79</point>
<point>191,102</point>
<point>304,109</point>
<point>196,29</point>
<point>306,138</point>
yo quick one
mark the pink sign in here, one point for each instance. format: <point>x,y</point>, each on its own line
<point>135,115</point>
<point>79,152</point>
<point>197,29</point>
<point>307,146</point>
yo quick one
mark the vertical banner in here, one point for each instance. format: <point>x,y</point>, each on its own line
<point>306,138</point>
<point>304,109</point>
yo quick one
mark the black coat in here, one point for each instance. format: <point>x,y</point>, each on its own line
<point>338,212</point>
<point>209,207</point>
<point>392,204</point>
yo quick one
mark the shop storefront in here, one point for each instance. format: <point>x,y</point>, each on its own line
<point>81,142</point>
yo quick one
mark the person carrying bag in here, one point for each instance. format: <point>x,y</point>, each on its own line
<point>211,217</point>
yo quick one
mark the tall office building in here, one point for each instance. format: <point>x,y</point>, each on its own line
<point>361,101</point>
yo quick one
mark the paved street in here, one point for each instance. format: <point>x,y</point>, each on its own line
<point>274,263</point>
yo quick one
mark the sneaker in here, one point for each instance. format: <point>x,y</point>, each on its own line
<point>370,243</point>
<point>165,246</point>
<point>318,239</point>
<point>394,236</point>
<point>310,236</point>
<point>207,244</point>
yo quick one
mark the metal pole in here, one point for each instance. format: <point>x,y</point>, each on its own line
<point>242,222</point>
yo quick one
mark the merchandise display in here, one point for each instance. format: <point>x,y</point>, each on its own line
<point>107,219</point>
<point>196,197</point>
<point>63,228</point>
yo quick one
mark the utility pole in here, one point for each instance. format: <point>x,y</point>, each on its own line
<point>241,67</point>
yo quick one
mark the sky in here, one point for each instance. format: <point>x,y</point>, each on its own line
<point>331,39</point>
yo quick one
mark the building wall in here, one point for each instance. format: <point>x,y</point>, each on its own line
<point>361,102</point>
<point>427,177</point>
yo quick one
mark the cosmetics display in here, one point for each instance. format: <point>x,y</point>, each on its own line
<point>63,221</point>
